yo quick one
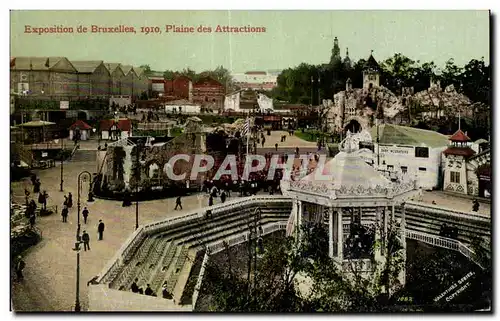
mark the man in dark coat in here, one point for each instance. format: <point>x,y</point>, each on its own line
<point>36,186</point>
<point>70,200</point>
<point>211,201</point>
<point>85,214</point>
<point>32,220</point>
<point>86,240</point>
<point>64,214</point>
<point>178,203</point>
<point>134,287</point>
<point>100,229</point>
<point>223,196</point>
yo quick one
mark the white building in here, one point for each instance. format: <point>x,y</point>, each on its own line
<point>256,80</point>
<point>411,151</point>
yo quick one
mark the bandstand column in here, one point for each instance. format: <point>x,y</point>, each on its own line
<point>340,236</point>
<point>378,250</point>
<point>299,221</point>
<point>385,219</point>
<point>392,212</point>
<point>330,232</point>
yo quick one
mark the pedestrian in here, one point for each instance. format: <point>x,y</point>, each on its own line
<point>148,290</point>
<point>19,267</point>
<point>65,203</point>
<point>211,201</point>
<point>475,205</point>
<point>36,186</point>
<point>100,229</point>
<point>134,287</point>
<point>64,214</point>
<point>32,220</point>
<point>178,203</point>
<point>276,146</point>
<point>86,240</point>
<point>70,200</point>
<point>85,214</point>
<point>223,196</point>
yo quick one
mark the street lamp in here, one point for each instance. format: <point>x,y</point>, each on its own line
<point>83,177</point>
<point>77,300</point>
<point>139,146</point>
<point>62,163</point>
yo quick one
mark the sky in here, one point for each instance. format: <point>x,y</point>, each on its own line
<point>291,37</point>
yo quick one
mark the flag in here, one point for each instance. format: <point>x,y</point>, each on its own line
<point>246,127</point>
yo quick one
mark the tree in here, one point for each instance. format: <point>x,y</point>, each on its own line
<point>147,69</point>
<point>397,72</point>
<point>169,74</point>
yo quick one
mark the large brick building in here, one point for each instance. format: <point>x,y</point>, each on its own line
<point>41,83</point>
<point>208,91</point>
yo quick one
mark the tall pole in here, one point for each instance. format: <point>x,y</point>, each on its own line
<point>248,134</point>
<point>62,163</point>
<point>137,189</point>
<point>77,303</point>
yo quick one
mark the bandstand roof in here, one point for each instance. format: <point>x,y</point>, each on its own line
<point>349,178</point>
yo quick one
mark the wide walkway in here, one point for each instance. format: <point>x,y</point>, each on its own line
<point>455,202</point>
<point>50,274</point>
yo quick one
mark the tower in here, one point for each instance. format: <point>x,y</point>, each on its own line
<point>371,73</point>
<point>347,60</point>
<point>455,171</point>
<point>348,84</point>
<point>335,52</point>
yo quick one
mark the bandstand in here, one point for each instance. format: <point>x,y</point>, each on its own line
<point>357,203</point>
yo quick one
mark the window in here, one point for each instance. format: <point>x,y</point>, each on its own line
<point>404,169</point>
<point>422,152</point>
<point>455,177</point>
<point>422,169</point>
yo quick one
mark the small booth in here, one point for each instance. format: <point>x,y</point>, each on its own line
<point>80,129</point>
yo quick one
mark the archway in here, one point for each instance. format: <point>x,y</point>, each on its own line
<point>484,177</point>
<point>82,115</point>
<point>353,126</point>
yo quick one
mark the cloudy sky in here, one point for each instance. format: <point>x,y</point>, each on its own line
<point>291,37</point>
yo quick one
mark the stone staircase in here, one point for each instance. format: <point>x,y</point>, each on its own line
<point>169,255</point>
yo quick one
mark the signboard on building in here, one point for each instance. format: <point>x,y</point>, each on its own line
<point>64,105</point>
<point>395,150</point>
<point>160,87</point>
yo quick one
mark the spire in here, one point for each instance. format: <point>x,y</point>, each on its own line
<point>335,51</point>
<point>347,60</point>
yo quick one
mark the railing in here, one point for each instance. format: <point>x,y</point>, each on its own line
<point>117,259</point>
<point>199,281</point>
<point>222,207</point>
<point>444,243</point>
<point>463,215</point>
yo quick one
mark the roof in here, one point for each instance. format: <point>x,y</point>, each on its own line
<point>459,151</point>
<point>138,71</point>
<point>371,63</point>
<point>111,66</point>
<point>459,136</point>
<point>35,63</point>
<point>127,68</point>
<point>350,171</point>
<point>207,81</point>
<point>86,66</point>
<point>403,135</point>
<point>80,124</point>
<point>37,123</point>
<point>122,124</point>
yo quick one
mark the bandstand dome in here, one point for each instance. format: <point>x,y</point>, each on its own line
<point>347,180</point>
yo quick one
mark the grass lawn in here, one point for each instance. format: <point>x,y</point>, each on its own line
<point>307,136</point>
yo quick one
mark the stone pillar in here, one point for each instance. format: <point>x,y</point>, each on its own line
<point>299,221</point>
<point>378,224</point>
<point>340,237</point>
<point>330,233</point>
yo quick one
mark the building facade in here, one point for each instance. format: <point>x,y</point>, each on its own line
<point>208,91</point>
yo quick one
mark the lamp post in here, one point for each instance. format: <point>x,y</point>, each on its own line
<point>138,180</point>
<point>77,299</point>
<point>62,163</point>
<point>82,176</point>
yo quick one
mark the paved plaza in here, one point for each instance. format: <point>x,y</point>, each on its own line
<point>50,273</point>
